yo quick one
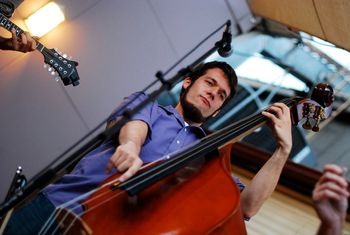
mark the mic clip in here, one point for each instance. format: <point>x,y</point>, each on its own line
<point>224,44</point>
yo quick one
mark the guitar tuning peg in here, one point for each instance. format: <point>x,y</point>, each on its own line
<point>45,66</point>
<point>64,55</point>
<point>57,79</point>
<point>49,69</point>
<point>53,73</point>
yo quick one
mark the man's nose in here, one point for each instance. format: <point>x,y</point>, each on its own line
<point>213,92</point>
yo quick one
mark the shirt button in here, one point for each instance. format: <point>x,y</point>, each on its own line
<point>178,141</point>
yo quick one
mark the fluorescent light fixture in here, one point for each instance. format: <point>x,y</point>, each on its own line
<point>265,71</point>
<point>45,19</point>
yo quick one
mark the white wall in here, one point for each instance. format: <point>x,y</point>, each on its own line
<point>119,46</point>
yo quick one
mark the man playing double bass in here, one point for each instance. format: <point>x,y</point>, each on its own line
<point>156,131</point>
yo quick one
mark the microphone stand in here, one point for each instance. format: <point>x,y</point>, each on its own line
<point>52,174</point>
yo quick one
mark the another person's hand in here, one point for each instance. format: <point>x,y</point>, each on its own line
<point>280,123</point>
<point>24,43</point>
<point>330,197</point>
<point>125,159</point>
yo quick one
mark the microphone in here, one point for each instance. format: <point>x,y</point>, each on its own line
<point>225,49</point>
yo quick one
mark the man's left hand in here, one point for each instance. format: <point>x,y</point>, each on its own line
<point>280,123</point>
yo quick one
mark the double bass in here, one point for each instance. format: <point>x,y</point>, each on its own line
<point>191,192</point>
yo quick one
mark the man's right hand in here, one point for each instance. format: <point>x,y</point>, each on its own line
<point>125,159</point>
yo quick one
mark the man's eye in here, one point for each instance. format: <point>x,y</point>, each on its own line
<point>209,83</point>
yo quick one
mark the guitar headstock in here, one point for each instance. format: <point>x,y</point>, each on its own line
<point>315,109</point>
<point>59,65</point>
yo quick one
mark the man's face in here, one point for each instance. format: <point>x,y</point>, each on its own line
<point>205,96</point>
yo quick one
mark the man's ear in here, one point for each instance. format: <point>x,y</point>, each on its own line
<point>187,82</point>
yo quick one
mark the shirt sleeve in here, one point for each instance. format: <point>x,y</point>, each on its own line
<point>145,114</point>
<point>240,185</point>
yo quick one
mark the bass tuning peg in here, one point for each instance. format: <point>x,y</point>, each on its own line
<point>307,124</point>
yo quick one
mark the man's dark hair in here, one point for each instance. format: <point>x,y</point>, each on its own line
<point>229,72</point>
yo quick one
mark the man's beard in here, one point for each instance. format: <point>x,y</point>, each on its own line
<point>191,112</point>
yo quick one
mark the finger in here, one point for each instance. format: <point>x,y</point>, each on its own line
<point>24,39</point>
<point>22,43</point>
<point>326,195</point>
<point>31,42</point>
<point>282,106</point>
<point>118,159</point>
<point>270,116</point>
<point>109,166</point>
<point>334,188</point>
<point>113,162</point>
<point>335,169</point>
<point>26,45</point>
<point>15,43</point>
<point>275,110</point>
<point>125,165</point>
<point>131,171</point>
<point>331,177</point>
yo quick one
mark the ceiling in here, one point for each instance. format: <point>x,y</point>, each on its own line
<point>326,19</point>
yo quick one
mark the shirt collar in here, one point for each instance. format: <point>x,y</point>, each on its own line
<point>172,110</point>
